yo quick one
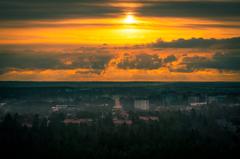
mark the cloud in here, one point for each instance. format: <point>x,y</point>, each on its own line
<point>209,25</point>
<point>103,63</point>
<point>95,62</point>
<point>218,10</point>
<point>230,43</point>
<point>61,9</point>
<point>140,61</point>
<point>89,71</point>
<point>28,60</point>
<point>228,61</point>
<point>144,61</point>
<point>54,9</point>
<point>170,58</point>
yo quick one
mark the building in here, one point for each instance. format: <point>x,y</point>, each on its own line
<point>198,104</point>
<point>117,103</point>
<point>148,118</point>
<point>117,107</point>
<point>57,108</point>
<point>197,100</point>
<point>212,99</point>
<point>141,104</point>
<point>78,121</point>
<point>121,122</point>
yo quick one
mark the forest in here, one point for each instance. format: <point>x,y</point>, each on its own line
<point>209,132</point>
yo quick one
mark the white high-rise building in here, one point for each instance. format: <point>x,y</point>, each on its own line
<point>141,104</point>
<point>117,103</point>
<point>117,108</point>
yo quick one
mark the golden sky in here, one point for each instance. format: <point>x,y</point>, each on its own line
<point>115,31</point>
<point>120,40</point>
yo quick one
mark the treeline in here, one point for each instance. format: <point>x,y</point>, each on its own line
<point>176,134</point>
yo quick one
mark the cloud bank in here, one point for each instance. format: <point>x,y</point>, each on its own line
<point>229,43</point>
<point>94,62</point>
<point>177,60</point>
<point>62,9</point>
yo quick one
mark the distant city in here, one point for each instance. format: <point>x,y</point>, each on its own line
<point>84,103</point>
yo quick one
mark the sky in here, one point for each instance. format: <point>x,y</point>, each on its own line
<point>120,40</point>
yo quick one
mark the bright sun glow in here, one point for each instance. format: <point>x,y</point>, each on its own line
<point>130,19</point>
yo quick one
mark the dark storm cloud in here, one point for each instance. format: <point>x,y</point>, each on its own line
<point>221,61</point>
<point>220,10</point>
<point>231,43</point>
<point>59,9</point>
<point>38,61</point>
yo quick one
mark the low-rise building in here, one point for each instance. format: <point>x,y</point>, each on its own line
<point>196,104</point>
<point>148,118</point>
<point>121,122</point>
<point>141,104</point>
<point>78,121</point>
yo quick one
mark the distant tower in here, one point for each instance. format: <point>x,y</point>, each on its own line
<point>117,107</point>
<point>117,103</point>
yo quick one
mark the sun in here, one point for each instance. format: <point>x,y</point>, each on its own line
<point>129,19</point>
